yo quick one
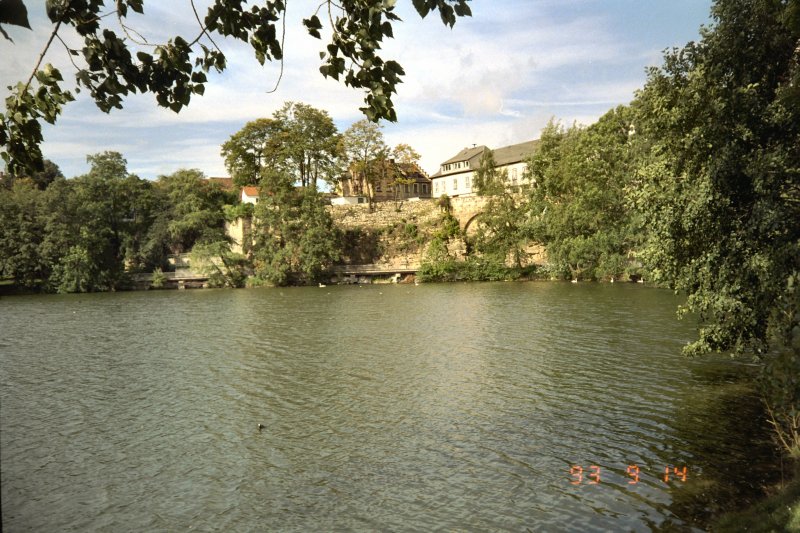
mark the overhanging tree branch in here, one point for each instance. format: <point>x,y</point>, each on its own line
<point>175,71</point>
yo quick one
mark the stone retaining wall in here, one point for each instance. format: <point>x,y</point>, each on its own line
<point>384,214</point>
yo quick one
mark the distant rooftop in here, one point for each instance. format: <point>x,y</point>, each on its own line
<point>466,154</point>
<point>250,190</point>
<point>505,155</point>
<point>225,183</point>
<point>514,153</point>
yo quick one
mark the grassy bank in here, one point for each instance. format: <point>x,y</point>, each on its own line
<point>778,512</point>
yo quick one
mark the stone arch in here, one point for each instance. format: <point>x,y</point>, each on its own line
<point>471,222</point>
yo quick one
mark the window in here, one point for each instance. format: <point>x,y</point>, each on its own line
<point>416,188</point>
<point>466,182</point>
<point>424,188</point>
<point>514,176</point>
<point>455,183</point>
<point>406,187</point>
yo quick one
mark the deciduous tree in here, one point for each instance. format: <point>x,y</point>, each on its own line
<point>365,153</point>
<point>253,151</point>
<point>117,60</point>
<point>309,143</point>
<point>295,241</point>
<point>402,169</point>
<point>488,180</point>
<point>578,207</point>
<point>721,189</point>
<point>23,230</point>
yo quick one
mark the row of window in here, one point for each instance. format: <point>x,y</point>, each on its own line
<point>439,186</point>
<point>417,188</point>
<point>455,166</point>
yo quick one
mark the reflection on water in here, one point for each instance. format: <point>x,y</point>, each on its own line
<point>724,429</point>
<point>455,407</point>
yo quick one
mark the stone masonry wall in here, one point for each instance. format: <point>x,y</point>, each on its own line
<point>385,214</point>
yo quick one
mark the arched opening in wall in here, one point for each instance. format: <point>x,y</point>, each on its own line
<point>471,227</point>
<point>471,232</point>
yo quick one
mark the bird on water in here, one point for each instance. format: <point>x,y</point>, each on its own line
<point>261,426</point>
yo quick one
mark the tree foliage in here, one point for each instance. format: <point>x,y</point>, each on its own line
<point>310,143</point>
<point>299,144</point>
<point>295,241</point>
<point>578,203</point>
<point>723,194</point>
<point>488,180</point>
<point>503,229</point>
<point>21,220</point>
<point>252,151</point>
<point>41,179</point>
<point>190,211</point>
<point>113,61</point>
<point>366,155</point>
<point>721,187</point>
<point>224,267</point>
<point>403,164</point>
<point>93,225</point>
<point>86,234</point>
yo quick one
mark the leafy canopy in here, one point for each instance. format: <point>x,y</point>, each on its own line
<point>578,204</point>
<point>721,190</point>
<point>365,153</point>
<point>116,60</point>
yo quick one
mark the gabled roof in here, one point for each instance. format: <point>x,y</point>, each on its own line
<point>514,153</point>
<point>412,170</point>
<point>466,154</point>
<point>250,190</point>
<point>506,155</point>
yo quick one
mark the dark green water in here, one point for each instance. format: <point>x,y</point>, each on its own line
<point>456,407</point>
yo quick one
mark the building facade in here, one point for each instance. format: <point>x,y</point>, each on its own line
<point>456,176</point>
<point>249,195</point>
<point>398,181</point>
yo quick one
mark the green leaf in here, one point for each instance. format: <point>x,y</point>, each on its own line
<point>313,25</point>
<point>13,12</point>
<point>462,10</point>
<point>136,5</point>
<point>422,7</point>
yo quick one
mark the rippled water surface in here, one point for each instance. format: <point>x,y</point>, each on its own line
<point>438,407</point>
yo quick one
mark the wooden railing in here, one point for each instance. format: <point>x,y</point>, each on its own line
<point>376,269</point>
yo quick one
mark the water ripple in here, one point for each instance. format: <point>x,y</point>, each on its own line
<point>452,407</point>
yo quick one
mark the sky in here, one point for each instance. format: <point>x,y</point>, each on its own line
<point>494,79</point>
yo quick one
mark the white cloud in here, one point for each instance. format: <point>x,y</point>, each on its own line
<point>495,79</point>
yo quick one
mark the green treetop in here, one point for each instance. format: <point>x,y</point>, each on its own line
<point>116,60</point>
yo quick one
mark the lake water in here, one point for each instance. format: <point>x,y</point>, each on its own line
<point>455,407</point>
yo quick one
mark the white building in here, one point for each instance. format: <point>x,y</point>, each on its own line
<point>456,176</point>
<point>249,195</point>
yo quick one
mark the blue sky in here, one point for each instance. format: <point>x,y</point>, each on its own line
<point>494,79</point>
